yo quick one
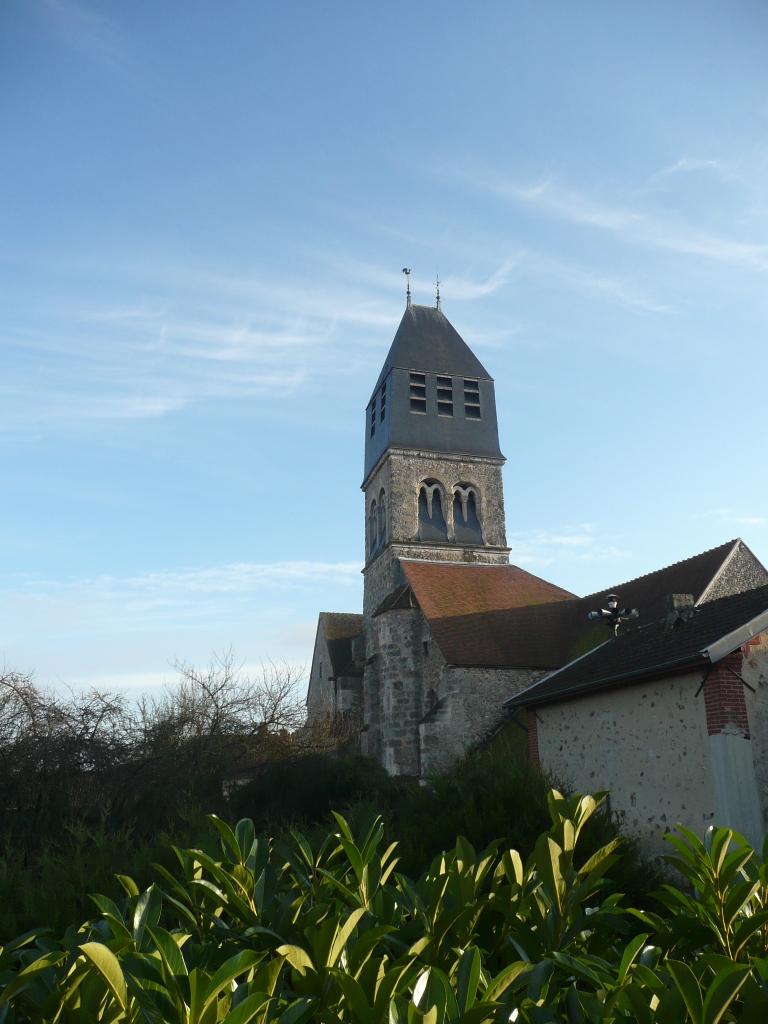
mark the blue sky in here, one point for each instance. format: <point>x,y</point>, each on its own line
<point>204,212</point>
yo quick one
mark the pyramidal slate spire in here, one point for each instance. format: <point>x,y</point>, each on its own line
<point>433,393</point>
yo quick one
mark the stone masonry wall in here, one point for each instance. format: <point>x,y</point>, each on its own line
<point>320,691</point>
<point>742,572</point>
<point>370,737</point>
<point>397,639</point>
<point>468,709</point>
<point>399,474</point>
<point>393,684</point>
<point>648,744</point>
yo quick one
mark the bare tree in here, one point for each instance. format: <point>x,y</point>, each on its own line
<point>222,700</point>
<point>63,753</point>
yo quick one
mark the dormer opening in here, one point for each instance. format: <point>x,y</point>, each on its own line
<point>432,524</point>
<point>373,416</point>
<point>383,402</point>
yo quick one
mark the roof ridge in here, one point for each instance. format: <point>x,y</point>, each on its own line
<point>664,568</point>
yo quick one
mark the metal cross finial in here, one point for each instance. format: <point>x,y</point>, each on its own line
<point>437,283</point>
<point>407,272</point>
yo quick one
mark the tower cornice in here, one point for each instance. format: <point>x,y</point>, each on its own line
<point>441,554</point>
<point>425,453</point>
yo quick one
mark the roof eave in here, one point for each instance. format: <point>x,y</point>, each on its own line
<point>675,667</point>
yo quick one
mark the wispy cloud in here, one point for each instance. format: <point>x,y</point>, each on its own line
<point>732,518</point>
<point>88,31</point>
<point>687,164</point>
<point>648,227</point>
<point>162,600</point>
<point>191,333</point>
<point>464,288</point>
<point>541,548</point>
<point>594,283</point>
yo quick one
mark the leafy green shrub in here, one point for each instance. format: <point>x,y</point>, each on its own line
<point>283,933</point>
<point>493,795</point>
<point>48,885</point>
<point>46,882</point>
<point>305,789</point>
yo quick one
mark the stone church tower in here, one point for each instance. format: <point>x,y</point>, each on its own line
<point>453,640</point>
<point>433,492</point>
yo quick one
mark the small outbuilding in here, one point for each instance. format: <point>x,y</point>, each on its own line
<point>671,717</point>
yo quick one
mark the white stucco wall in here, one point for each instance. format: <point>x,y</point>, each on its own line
<point>754,670</point>
<point>647,744</point>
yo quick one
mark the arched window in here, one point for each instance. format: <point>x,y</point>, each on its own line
<point>466,525</point>
<point>382,519</point>
<point>373,532</point>
<point>432,525</point>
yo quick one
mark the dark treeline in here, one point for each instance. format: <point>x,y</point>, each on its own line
<point>84,756</point>
<point>92,785</point>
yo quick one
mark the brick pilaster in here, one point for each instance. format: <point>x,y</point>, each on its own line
<point>724,700</point>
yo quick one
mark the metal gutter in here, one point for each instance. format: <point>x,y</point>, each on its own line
<point>731,641</point>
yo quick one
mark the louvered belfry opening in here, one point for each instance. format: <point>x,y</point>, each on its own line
<point>445,396</point>
<point>472,399</point>
<point>419,392</point>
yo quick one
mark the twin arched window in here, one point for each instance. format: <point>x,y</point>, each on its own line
<point>466,521</point>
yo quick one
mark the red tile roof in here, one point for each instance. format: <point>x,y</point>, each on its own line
<point>341,625</point>
<point>488,614</point>
<point>460,589</point>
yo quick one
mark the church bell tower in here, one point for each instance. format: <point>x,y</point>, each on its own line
<point>433,487</point>
<point>433,492</point>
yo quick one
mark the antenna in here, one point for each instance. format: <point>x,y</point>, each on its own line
<point>407,272</point>
<point>437,284</point>
<point>613,614</point>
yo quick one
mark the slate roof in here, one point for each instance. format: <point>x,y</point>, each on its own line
<point>648,650</point>
<point>648,593</point>
<point>340,629</point>
<point>503,616</point>
<point>427,341</point>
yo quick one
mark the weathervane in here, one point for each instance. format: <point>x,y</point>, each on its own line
<point>613,614</point>
<point>437,284</point>
<point>407,272</point>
